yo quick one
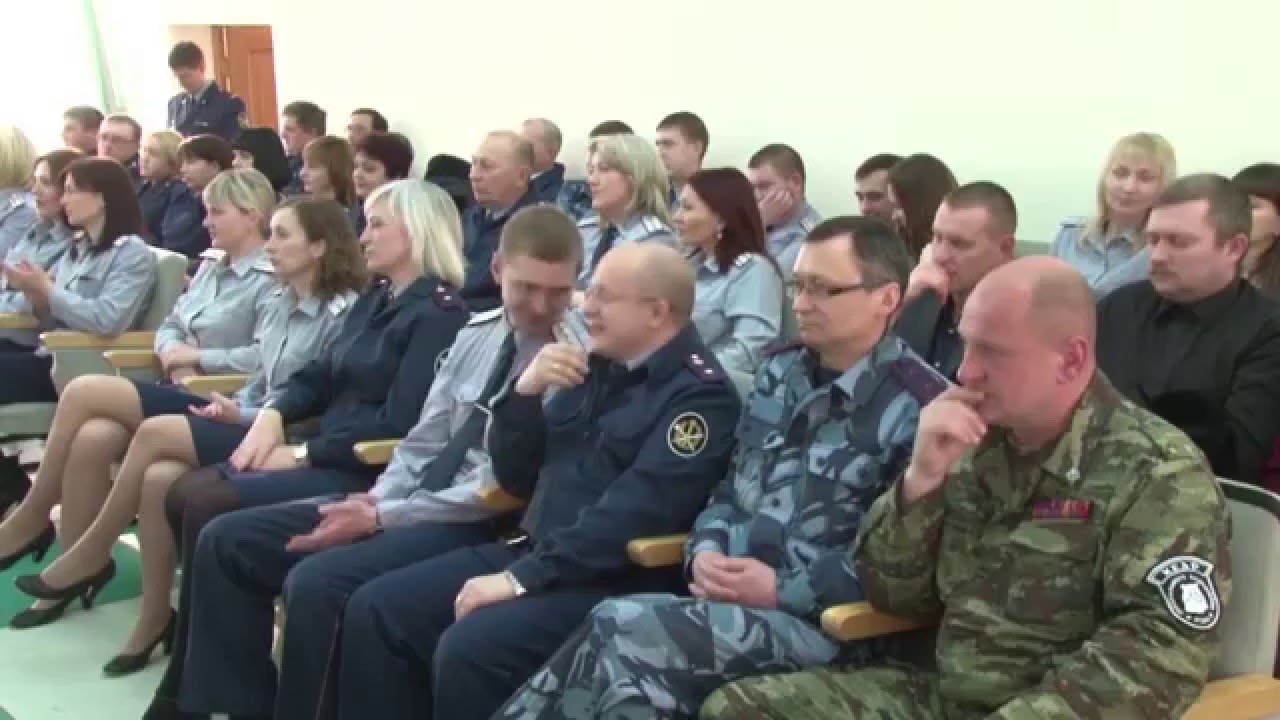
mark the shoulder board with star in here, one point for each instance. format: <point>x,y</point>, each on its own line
<point>703,367</point>
<point>486,317</point>
<point>16,202</point>
<point>213,254</point>
<point>340,303</point>
<point>590,220</point>
<point>263,265</point>
<point>447,299</point>
<point>651,225</point>
<point>743,259</point>
<point>918,378</point>
<point>1075,222</point>
<point>808,223</point>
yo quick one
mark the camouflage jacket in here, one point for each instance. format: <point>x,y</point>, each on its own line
<point>1083,581</point>
<point>809,463</point>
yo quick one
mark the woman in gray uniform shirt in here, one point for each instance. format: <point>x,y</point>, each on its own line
<point>17,158</point>
<point>319,264</point>
<point>738,309</point>
<point>45,241</point>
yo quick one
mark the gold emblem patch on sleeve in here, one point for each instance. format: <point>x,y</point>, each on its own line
<point>687,435</point>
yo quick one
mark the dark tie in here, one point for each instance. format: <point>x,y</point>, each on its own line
<point>607,240</point>
<point>439,474</point>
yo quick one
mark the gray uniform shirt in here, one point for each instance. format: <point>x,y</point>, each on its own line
<point>1106,263</point>
<point>219,312</point>
<point>289,335</point>
<point>17,215</point>
<point>738,310</point>
<point>459,383</point>
<point>104,293</point>
<point>784,239</point>
<point>637,228</point>
<point>41,245</point>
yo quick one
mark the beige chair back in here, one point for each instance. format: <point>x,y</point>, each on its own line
<point>1251,619</point>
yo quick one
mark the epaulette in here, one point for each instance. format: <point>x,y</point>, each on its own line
<point>16,202</point>
<point>339,303</point>
<point>486,317</point>
<point>263,264</point>
<point>808,223</point>
<point>213,254</point>
<point>781,346</point>
<point>705,369</point>
<point>743,259</point>
<point>651,225</point>
<point>1075,222</point>
<point>589,220</point>
<point>447,299</point>
<point>918,378</point>
<point>277,291</point>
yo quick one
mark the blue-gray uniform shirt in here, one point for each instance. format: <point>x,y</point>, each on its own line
<point>459,383</point>
<point>17,215</point>
<point>104,293</point>
<point>219,311</point>
<point>41,245</point>
<point>1106,263</point>
<point>783,240</point>
<point>738,309</point>
<point>813,455</point>
<point>288,336</point>
<point>637,228</point>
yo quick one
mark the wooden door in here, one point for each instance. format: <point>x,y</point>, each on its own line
<point>246,67</point>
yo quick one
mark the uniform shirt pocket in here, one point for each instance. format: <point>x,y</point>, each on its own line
<point>464,399</point>
<point>1049,577</point>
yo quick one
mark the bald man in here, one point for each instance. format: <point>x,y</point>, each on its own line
<point>1073,545</point>
<point>622,439</point>
<point>548,175</point>
<point>500,172</point>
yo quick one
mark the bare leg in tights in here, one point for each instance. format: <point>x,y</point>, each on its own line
<point>162,451</point>
<point>96,416</point>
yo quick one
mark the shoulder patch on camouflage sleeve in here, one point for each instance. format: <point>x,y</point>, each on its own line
<point>1186,585</point>
<point>917,378</point>
<point>704,368</point>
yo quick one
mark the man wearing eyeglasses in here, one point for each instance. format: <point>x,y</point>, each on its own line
<point>973,233</point>
<point>119,138</point>
<point>830,424</point>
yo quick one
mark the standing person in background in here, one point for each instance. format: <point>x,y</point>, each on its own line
<point>1109,248</point>
<point>202,107</point>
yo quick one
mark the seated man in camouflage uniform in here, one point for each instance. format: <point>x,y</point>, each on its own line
<point>830,423</point>
<point>1077,556</point>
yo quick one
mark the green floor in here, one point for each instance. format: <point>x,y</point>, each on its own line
<point>127,583</point>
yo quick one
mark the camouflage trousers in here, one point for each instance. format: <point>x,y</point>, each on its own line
<point>878,693</point>
<point>658,656</point>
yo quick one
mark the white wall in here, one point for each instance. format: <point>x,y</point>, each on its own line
<point>1030,94</point>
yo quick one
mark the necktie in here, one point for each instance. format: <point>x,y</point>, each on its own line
<point>607,240</point>
<point>439,474</point>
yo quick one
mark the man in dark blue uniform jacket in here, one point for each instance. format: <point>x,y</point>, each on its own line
<point>202,107</point>
<point>500,173</point>
<point>620,443</point>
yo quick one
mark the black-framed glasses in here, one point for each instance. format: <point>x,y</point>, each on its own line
<point>819,290</point>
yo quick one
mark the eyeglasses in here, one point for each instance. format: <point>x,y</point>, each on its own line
<point>818,290</point>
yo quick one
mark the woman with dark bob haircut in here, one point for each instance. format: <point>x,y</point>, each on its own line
<point>260,148</point>
<point>382,158</point>
<point>738,307</point>
<point>917,186</point>
<point>1262,261</point>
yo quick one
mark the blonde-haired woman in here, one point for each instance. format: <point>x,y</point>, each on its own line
<point>17,163</point>
<point>171,212</point>
<point>327,168</point>
<point>370,384</point>
<point>1109,248</point>
<point>321,271</point>
<point>629,198</point>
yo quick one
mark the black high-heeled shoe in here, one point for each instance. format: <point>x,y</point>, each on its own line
<point>14,483</point>
<point>128,664</point>
<point>37,548</point>
<point>87,589</point>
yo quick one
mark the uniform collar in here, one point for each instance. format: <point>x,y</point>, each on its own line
<point>1063,457</point>
<point>663,363</point>
<point>859,382</point>
<point>246,262</point>
<point>309,306</point>
<point>1207,309</point>
<point>202,92</point>
<point>802,210</point>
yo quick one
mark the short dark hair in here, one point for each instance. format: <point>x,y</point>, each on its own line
<point>185,54</point>
<point>919,184</point>
<point>378,119</point>
<point>393,150</point>
<point>86,116</point>
<point>1261,180</point>
<point>309,116</point>
<point>690,126</point>
<point>876,163</point>
<point>610,127</point>
<point>127,120</point>
<point>342,265</point>
<point>542,232</point>
<point>878,250</point>
<point>1002,213</point>
<point>210,148</point>
<point>264,144</point>
<point>782,158</point>
<point>109,179</point>
<point>1229,211</point>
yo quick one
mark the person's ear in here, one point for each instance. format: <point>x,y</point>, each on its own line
<point>1073,360</point>
<point>1237,246</point>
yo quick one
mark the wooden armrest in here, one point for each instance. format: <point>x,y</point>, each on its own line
<point>128,359</point>
<point>858,621</point>
<point>18,321</point>
<point>375,452</point>
<point>657,552</point>
<point>1244,697</point>
<point>70,340</point>
<point>205,384</point>
<point>497,499</point>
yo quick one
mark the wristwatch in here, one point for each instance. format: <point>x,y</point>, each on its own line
<point>300,455</point>
<point>516,587</point>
